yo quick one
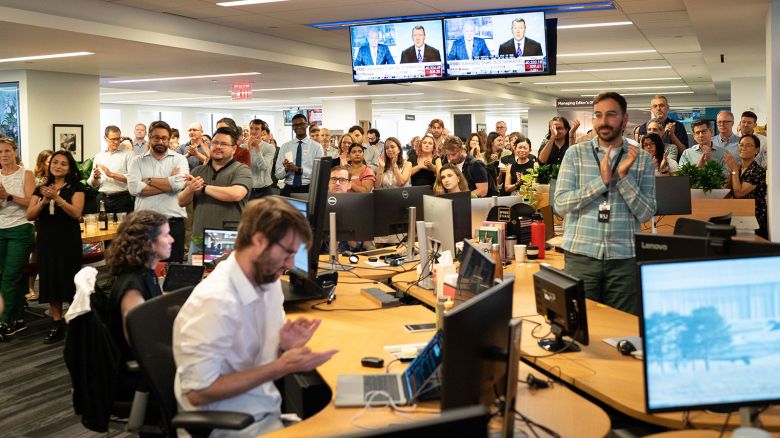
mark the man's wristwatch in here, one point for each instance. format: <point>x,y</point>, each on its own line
<point>203,189</point>
<point>148,181</point>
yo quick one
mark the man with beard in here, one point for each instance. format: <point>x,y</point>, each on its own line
<point>155,178</point>
<point>230,339</point>
<point>605,191</point>
<point>218,189</point>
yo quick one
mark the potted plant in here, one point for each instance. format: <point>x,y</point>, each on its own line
<point>529,186</point>
<point>90,193</point>
<point>707,181</point>
<point>547,173</point>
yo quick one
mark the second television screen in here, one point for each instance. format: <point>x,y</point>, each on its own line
<point>411,51</point>
<point>496,45</point>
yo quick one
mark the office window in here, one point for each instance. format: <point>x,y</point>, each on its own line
<point>109,117</point>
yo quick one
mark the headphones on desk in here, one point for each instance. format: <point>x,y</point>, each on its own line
<point>353,259</point>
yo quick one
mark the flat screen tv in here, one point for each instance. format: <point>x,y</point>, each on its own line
<point>397,52</point>
<point>481,46</point>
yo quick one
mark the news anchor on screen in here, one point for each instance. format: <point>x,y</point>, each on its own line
<point>373,53</point>
<point>519,45</point>
<point>419,52</point>
<point>468,46</point>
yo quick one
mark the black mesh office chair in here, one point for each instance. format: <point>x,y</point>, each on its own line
<point>150,331</point>
<point>721,220</point>
<point>691,227</point>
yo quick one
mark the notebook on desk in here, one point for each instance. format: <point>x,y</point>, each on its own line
<point>358,389</point>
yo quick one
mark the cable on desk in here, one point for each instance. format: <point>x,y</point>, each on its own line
<point>387,368</point>
<point>725,424</point>
<point>553,353</point>
<point>532,423</point>
<point>316,306</point>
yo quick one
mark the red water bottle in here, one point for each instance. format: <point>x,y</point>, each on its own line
<point>537,233</point>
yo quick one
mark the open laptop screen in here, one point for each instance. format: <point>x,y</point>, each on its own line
<point>217,244</point>
<point>423,366</point>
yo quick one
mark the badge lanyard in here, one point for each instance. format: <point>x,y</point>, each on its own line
<point>604,206</point>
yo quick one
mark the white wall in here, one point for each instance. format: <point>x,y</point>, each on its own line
<point>539,124</point>
<point>749,94</point>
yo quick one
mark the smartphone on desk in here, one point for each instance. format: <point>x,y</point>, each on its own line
<point>414,328</point>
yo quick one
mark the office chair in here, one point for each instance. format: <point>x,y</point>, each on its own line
<point>691,227</point>
<point>721,220</point>
<point>150,331</point>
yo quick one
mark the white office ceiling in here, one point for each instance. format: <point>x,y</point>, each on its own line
<point>136,39</point>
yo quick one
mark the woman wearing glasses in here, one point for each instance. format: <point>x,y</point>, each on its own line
<point>748,179</point>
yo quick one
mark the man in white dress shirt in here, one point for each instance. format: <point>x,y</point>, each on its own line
<point>230,339</point>
<point>109,173</point>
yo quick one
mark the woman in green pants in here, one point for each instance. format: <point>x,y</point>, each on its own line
<point>16,236</point>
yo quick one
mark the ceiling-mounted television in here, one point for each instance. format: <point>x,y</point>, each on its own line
<point>397,52</point>
<point>482,46</point>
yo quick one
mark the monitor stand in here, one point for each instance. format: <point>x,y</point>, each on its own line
<point>333,257</point>
<point>426,277</point>
<point>558,345</point>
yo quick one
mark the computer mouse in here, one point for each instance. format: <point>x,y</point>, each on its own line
<point>625,347</point>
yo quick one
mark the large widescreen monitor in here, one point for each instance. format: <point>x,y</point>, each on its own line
<point>496,45</point>
<point>392,52</point>
<point>710,333</point>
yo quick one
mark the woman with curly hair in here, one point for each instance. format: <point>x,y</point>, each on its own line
<point>142,240</point>
<point>57,205</point>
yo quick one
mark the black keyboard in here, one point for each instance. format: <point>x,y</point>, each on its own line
<point>381,382</point>
<point>376,252</point>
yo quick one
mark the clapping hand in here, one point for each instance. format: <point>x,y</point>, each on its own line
<point>627,162</point>
<point>3,192</point>
<point>575,124</point>
<point>48,192</point>
<point>669,129</point>
<point>730,161</point>
<point>295,334</point>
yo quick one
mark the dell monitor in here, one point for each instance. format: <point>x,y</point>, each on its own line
<point>461,214</point>
<point>476,272</point>
<point>439,212</point>
<point>672,195</point>
<point>560,298</point>
<point>391,208</point>
<point>474,361</point>
<point>354,215</point>
<point>710,333</point>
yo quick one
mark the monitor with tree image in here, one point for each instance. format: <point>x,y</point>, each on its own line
<point>711,332</point>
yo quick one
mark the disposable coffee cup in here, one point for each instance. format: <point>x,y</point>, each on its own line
<point>520,253</point>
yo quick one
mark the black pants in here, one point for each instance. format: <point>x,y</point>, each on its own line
<point>120,202</point>
<point>262,191</point>
<point>176,225</point>
<point>290,189</point>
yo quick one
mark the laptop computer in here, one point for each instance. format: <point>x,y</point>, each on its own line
<point>180,276</point>
<point>357,389</point>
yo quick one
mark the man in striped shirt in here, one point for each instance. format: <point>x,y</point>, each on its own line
<point>605,191</point>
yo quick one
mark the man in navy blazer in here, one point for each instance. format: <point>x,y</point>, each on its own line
<point>519,45</point>
<point>419,52</point>
<point>373,53</point>
<point>460,48</point>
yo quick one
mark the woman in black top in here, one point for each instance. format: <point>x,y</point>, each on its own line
<point>522,164</point>
<point>58,205</point>
<point>748,179</point>
<point>425,164</point>
<point>142,240</point>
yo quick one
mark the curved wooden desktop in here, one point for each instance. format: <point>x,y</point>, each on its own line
<point>358,333</point>
<point>362,271</point>
<point>599,370</point>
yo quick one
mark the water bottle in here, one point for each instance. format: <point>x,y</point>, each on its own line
<point>538,233</point>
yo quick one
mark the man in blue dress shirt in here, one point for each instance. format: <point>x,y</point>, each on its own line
<point>468,46</point>
<point>296,159</point>
<point>373,53</point>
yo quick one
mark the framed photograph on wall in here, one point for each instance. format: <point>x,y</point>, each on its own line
<point>481,127</point>
<point>69,138</point>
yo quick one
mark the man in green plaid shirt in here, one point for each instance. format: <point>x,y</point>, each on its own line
<point>605,191</point>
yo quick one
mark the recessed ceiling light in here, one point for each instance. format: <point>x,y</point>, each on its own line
<point>128,92</point>
<point>665,87</point>
<point>178,78</point>
<point>305,88</point>
<point>644,94</point>
<point>655,67</point>
<point>582,26</point>
<point>619,52</point>
<point>419,101</point>
<point>463,106</point>
<point>606,80</point>
<point>365,95</point>
<point>247,2</point>
<point>52,56</point>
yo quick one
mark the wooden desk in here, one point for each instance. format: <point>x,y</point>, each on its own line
<point>362,272</point>
<point>704,209</point>
<point>99,235</point>
<point>599,369</point>
<point>365,333</point>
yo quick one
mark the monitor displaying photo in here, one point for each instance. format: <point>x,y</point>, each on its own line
<point>217,244</point>
<point>496,45</point>
<point>406,51</point>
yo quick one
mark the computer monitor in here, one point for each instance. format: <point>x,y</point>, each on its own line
<point>470,421</point>
<point>438,211</point>
<point>474,361</point>
<point>560,298</point>
<point>391,208</point>
<point>461,214</point>
<point>668,247</point>
<point>301,262</point>
<point>354,216</point>
<point>217,244</point>
<point>710,333</point>
<point>476,272</point>
<point>672,195</point>
<point>318,197</point>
